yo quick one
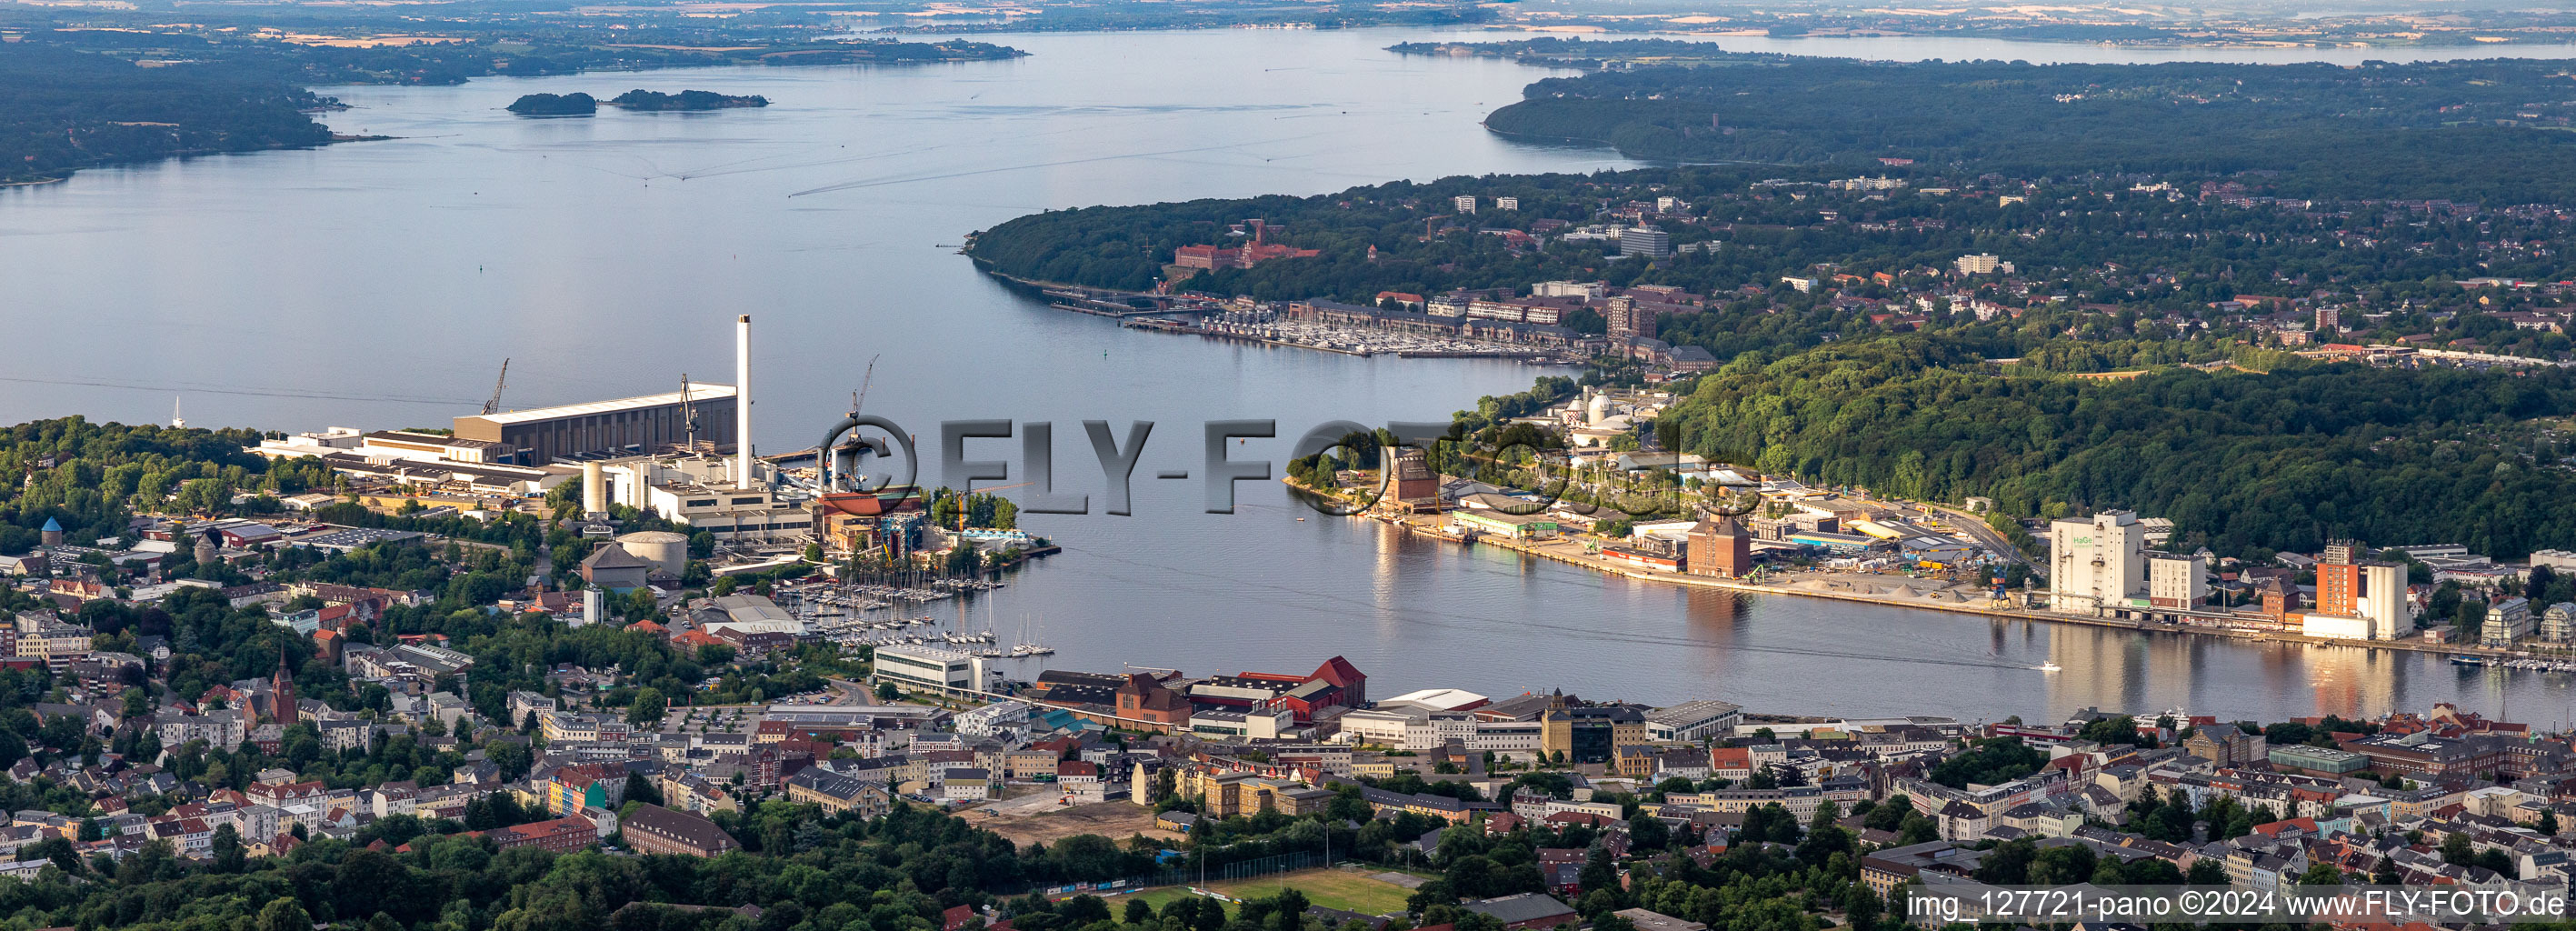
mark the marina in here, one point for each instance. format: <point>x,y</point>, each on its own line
<point>1268,328</point>
<point>846,614</point>
<point>1234,321</point>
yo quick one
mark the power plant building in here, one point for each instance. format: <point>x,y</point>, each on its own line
<point>702,493</point>
<point>623,427</point>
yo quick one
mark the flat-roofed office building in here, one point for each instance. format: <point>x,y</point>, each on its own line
<point>626,426</point>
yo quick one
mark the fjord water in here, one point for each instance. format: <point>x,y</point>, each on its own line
<point>380,284</point>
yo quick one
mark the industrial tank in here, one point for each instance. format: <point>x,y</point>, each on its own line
<point>667,551</point>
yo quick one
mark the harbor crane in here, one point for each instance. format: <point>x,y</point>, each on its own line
<point>494,406</point>
<point>849,456</point>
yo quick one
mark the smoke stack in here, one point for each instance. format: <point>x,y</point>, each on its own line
<point>742,401</point>
<point>594,489</point>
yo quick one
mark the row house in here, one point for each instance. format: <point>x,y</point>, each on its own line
<point>282,794</point>
<point>693,793</point>
<point>187,837</point>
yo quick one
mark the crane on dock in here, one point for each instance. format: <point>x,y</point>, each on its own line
<point>849,455</point>
<point>494,406</point>
<point>859,398</point>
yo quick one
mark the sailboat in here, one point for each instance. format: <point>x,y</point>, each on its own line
<point>1026,647</point>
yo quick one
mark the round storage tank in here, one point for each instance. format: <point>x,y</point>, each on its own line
<point>667,551</point>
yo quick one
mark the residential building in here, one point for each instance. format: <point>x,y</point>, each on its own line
<point>2508,621</point>
<point>835,792</point>
<point>2558,624</point>
<point>591,785</point>
<point>1645,241</point>
<point>2225,746</point>
<point>2177,581</point>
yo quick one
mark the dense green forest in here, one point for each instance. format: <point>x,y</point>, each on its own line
<point>86,476</point>
<point>572,104</point>
<point>2463,130</point>
<point>66,109</point>
<point>641,99</point>
<point>2242,462</point>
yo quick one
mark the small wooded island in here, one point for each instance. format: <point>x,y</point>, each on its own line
<point>580,104</point>
<point>572,104</point>
<point>684,100</point>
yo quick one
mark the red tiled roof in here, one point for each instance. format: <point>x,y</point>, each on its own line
<point>1339,671</point>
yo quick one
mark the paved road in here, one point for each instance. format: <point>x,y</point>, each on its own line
<point>1986,536</point>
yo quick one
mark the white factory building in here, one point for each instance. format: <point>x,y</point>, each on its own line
<point>935,669</point>
<point>699,491</point>
<point>2096,563</point>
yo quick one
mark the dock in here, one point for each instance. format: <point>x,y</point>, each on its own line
<point>1099,310</point>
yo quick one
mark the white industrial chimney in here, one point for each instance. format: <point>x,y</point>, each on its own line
<point>594,489</point>
<point>742,401</point>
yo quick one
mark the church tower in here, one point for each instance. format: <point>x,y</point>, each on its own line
<point>282,692</point>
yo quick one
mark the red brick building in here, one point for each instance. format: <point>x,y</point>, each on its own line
<point>653,829</point>
<point>561,835</point>
<point>1144,699</point>
<point>1720,547</point>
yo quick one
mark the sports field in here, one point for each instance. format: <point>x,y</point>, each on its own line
<point>1347,890</point>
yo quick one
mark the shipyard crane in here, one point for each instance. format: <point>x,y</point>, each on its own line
<point>860,398</point>
<point>494,406</point>
<point>847,458</point>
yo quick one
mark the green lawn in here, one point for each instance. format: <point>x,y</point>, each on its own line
<point>1330,888</point>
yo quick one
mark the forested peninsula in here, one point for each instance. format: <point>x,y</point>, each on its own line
<point>2461,130</point>
<point>2063,288</point>
<point>130,87</point>
<point>65,109</point>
